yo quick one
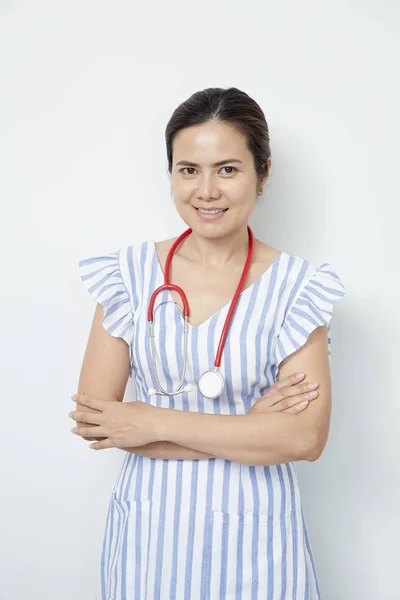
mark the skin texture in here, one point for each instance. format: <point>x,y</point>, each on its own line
<point>276,435</point>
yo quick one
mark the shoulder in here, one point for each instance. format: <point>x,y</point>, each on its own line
<point>299,279</point>
<point>307,295</point>
<point>123,264</point>
<point>135,254</point>
<point>262,253</point>
<point>290,268</point>
<point>308,289</point>
<point>162,248</point>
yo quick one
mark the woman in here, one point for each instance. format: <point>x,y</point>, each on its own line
<point>207,505</point>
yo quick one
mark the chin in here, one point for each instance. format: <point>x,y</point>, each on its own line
<point>210,230</point>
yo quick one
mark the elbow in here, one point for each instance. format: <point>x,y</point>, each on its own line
<point>310,444</point>
<point>313,448</point>
<point>313,455</point>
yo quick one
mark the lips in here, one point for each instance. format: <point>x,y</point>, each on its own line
<point>210,210</point>
<point>209,216</point>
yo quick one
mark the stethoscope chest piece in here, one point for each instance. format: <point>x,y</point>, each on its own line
<point>211,384</point>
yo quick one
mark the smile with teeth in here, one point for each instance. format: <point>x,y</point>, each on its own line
<point>211,211</point>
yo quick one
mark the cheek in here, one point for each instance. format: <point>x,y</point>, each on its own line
<point>242,185</point>
<point>182,190</point>
<point>241,193</point>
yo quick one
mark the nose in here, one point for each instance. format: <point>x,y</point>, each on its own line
<point>206,188</point>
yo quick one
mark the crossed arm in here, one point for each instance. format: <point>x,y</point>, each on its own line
<point>264,438</point>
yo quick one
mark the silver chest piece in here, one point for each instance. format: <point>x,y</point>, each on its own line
<point>211,384</point>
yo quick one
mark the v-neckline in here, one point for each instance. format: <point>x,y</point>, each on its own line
<point>216,313</point>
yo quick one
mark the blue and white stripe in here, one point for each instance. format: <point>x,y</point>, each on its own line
<point>209,529</point>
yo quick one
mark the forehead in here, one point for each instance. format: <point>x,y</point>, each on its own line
<point>210,141</point>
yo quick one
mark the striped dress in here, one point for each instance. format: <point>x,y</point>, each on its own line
<point>208,529</point>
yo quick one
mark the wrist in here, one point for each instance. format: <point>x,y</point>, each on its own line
<point>160,424</point>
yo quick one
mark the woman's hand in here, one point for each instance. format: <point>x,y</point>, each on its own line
<point>286,395</point>
<point>121,424</point>
<point>81,408</point>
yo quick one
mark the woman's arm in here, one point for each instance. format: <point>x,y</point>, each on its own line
<point>105,373</point>
<point>105,367</point>
<point>287,440</point>
<point>287,395</point>
<point>263,439</point>
<point>167,450</point>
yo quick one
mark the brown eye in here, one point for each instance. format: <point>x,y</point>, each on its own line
<point>230,172</point>
<point>188,169</point>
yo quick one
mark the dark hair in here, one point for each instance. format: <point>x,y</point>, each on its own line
<point>231,105</point>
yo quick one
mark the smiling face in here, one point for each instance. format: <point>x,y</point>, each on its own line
<point>213,169</point>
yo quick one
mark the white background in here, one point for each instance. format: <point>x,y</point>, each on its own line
<point>86,90</point>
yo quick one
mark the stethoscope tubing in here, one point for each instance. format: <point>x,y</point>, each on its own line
<point>178,390</point>
<point>169,286</point>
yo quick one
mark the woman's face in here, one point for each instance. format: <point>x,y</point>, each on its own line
<point>212,168</point>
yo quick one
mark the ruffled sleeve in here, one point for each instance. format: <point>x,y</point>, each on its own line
<point>103,279</point>
<point>311,307</point>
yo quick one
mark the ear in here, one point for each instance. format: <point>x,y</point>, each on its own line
<point>264,179</point>
<point>269,164</point>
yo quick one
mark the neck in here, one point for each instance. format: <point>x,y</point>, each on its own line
<point>216,252</point>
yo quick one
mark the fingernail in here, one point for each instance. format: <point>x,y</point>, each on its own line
<point>300,375</point>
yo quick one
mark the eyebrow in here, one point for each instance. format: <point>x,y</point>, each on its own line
<point>217,164</point>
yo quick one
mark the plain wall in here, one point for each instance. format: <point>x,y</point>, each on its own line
<point>86,91</point>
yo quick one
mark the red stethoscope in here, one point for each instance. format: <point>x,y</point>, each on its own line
<point>211,383</point>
